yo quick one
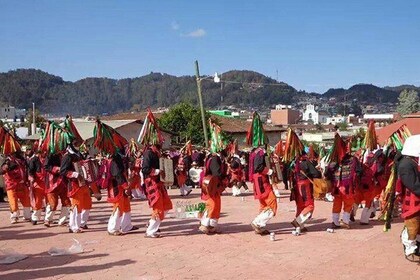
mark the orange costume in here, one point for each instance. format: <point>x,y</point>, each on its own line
<point>342,177</point>
<point>14,173</point>
<point>214,177</point>
<point>305,171</point>
<point>263,191</point>
<point>81,201</point>
<point>55,189</point>
<point>120,220</point>
<point>156,192</point>
<point>36,177</point>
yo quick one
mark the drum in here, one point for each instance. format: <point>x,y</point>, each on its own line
<point>321,188</point>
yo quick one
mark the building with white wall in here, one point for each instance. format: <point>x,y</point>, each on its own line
<point>311,115</point>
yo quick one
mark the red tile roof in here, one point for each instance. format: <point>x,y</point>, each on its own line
<point>411,121</point>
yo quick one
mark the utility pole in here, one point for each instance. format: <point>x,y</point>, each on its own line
<point>33,119</point>
<point>200,100</point>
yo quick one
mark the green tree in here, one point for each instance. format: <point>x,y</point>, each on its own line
<point>185,119</point>
<point>408,102</point>
<point>343,126</point>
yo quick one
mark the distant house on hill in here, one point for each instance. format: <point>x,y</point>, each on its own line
<point>412,122</point>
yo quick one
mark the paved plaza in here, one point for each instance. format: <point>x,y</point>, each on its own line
<point>364,252</point>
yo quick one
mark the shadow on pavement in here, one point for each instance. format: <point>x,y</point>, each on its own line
<point>53,266</point>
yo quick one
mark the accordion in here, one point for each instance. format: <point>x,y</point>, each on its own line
<point>88,169</point>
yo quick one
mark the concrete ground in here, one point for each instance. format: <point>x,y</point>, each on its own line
<point>364,252</point>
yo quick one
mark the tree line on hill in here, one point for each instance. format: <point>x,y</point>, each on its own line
<point>97,96</point>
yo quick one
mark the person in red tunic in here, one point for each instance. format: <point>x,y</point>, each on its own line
<point>213,183</point>
<point>181,172</point>
<point>134,178</point>
<point>304,173</point>
<point>342,177</point>
<point>156,192</point>
<point>364,188</point>
<point>81,201</point>
<point>237,176</point>
<point>55,189</point>
<point>120,221</point>
<point>408,187</point>
<point>263,191</point>
<point>14,171</point>
<point>37,174</point>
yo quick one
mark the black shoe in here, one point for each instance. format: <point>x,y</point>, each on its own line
<point>34,222</point>
<point>84,227</point>
<point>134,228</point>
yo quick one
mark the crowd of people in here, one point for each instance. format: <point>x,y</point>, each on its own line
<point>41,180</point>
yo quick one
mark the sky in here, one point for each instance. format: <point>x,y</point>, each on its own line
<point>311,45</point>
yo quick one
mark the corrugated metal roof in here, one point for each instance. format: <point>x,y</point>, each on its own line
<point>85,128</point>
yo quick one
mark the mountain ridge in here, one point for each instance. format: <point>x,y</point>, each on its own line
<point>101,95</point>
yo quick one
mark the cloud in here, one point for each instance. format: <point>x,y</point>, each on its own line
<point>175,25</point>
<point>196,33</point>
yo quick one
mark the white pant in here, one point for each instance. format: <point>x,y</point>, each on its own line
<point>336,218</point>
<point>410,246</point>
<point>138,194</point>
<point>36,215</point>
<point>27,213</point>
<point>364,218</point>
<point>302,219</point>
<point>49,215</point>
<point>119,222</point>
<point>84,217</point>
<point>75,221</point>
<point>236,191</point>
<point>184,189</point>
<point>153,227</point>
<point>207,222</point>
<point>262,219</point>
<point>346,217</point>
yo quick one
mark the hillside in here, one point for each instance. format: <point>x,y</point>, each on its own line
<point>364,93</point>
<point>102,95</point>
<point>96,96</point>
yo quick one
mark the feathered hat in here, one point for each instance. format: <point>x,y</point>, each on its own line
<point>107,139</point>
<point>55,138</point>
<point>150,132</point>
<point>216,141</point>
<point>294,146</point>
<point>8,142</point>
<point>279,149</point>
<point>398,138</point>
<point>371,141</point>
<point>256,136</point>
<point>337,151</point>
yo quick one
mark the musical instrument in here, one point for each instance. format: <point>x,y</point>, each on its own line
<point>88,170</point>
<point>167,166</point>
<point>321,188</point>
<point>274,165</point>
